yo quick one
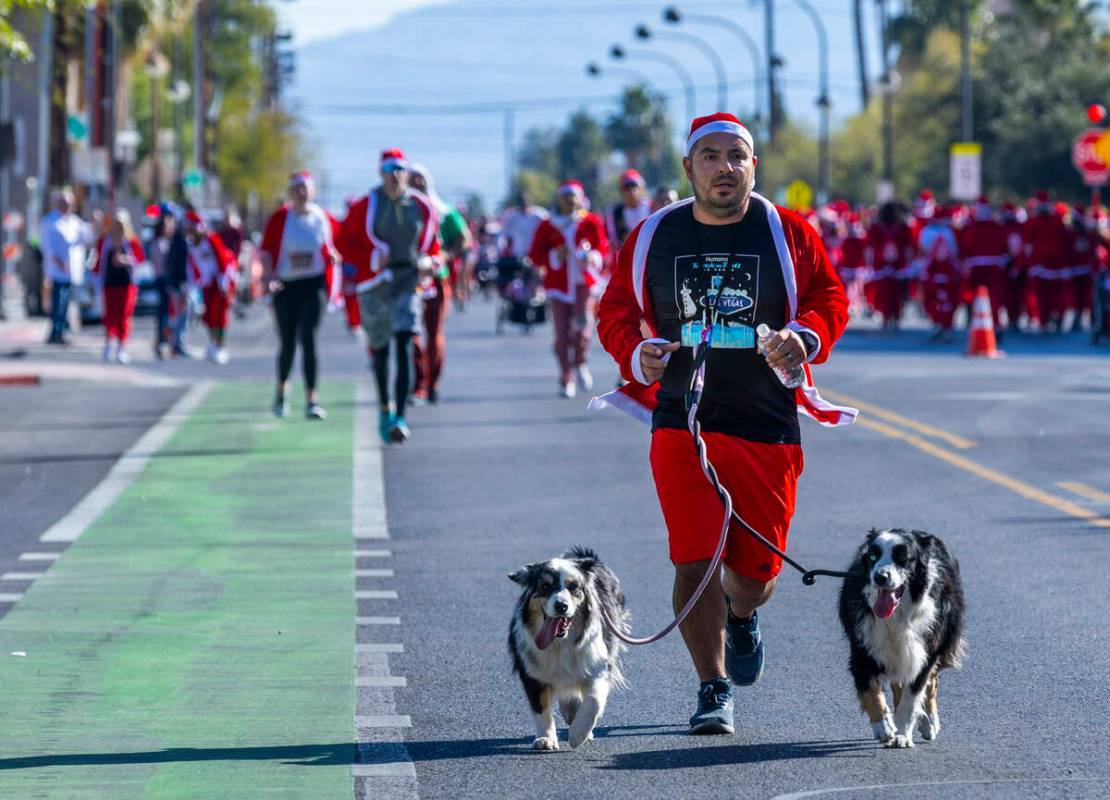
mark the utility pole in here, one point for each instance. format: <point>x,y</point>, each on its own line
<point>769,44</point>
<point>200,155</point>
<point>510,154</point>
<point>888,99</point>
<point>861,53</point>
<point>965,72</point>
<point>46,71</point>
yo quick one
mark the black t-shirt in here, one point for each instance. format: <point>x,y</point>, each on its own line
<point>118,272</point>
<point>743,397</point>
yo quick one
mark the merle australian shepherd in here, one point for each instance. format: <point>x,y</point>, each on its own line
<point>902,611</point>
<point>561,648</point>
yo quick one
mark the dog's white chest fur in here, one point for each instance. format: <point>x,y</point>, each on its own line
<point>564,665</point>
<point>898,643</point>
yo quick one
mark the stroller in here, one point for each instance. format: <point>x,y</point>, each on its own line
<point>522,298</point>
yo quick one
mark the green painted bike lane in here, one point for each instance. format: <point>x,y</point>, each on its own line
<point>197,640</point>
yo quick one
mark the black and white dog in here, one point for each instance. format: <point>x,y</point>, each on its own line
<point>902,611</point>
<point>560,646</point>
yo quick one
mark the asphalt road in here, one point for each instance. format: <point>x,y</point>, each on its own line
<point>503,472</point>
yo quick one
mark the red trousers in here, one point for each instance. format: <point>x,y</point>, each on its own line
<point>430,351</point>
<point>885,296</point>
<point>572,331</point>
<point>216,307</point>
<point>354,313</point>
<point>119,307</point>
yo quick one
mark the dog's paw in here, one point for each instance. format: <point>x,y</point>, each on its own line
<point>900,740</point>
<point>928,727</point>
<point>883,729</point>
<point>577,738</point>
<point>546,744</point>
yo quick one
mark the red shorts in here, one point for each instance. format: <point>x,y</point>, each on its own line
<point>762,479</point>
<point>216,307</point>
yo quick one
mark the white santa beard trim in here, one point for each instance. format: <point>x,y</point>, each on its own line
<point>777,233</point>
<point>720,126</point>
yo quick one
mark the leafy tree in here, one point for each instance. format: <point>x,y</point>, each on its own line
<point>641,130</point>
<point>13,45</point>
<point>581,149</point>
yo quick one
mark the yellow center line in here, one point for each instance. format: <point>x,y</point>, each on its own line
<point>959,442</point>
<point>986,473</point>
<point>1083,490</point>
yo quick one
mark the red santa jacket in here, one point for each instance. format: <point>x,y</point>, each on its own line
<point>225,270</point>
<point>1047,246</point>
<point>889,250</point>
<point>983,243</point>
<point>816,303</point>
<point>274,234</point>
<point>359,246</point>
<point>583,234</point>
<point>99,267</point>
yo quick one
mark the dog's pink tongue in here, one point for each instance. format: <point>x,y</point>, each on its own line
<point>547,633</point>
<point>885,604</point>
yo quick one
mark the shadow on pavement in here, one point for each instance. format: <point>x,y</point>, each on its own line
<point>307,755</point>
<point>727,755</point>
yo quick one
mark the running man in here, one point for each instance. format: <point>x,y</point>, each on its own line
<point>769,266</point>
<point>301,268</point>
<point>389,235</point>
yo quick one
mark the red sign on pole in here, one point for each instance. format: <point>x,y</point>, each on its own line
<point>1085,157</point>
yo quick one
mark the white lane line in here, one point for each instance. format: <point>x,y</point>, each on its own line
<point>39,556</point>
<point>379,647</point>
<point>392,681</point>
<point>21,576</point>
<point>383,721</point>
<point>375,594</point>
<point>368,500</point>
<point>372,554</point>
<point>388,769</point>
<point>360,621</point>
<point>373,573</point>
<point>124,471</point>
<point>10,597</point>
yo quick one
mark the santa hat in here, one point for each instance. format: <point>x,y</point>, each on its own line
<point>301,178</point>
<point>926,196</point>
<point>570,187</point>
<point>631,177</point>
<point>194,220</point>
<point>717,123</point>
<point>393,159</point>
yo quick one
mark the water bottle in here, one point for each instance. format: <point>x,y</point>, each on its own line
<point>791,378</point>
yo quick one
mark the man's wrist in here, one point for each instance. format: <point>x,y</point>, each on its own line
<point>809,341</point>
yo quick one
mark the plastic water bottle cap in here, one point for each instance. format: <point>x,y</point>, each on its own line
<point>762,331</point>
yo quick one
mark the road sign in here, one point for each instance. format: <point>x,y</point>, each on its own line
<point>799,195</point>
<point>965,171</point>
<point>76,127</point>
<point>192,178</point>
<point>1102,147</point>
<point>1085,157</point>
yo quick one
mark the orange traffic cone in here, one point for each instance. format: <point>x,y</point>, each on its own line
<point>980,340</point>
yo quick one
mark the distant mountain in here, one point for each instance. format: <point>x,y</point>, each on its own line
<point>432,81</point>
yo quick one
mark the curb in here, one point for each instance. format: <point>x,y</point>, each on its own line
<point>25,379</point>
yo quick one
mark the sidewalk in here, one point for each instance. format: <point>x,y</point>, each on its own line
<point>196,640</point>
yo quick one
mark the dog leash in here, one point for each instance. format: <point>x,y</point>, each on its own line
<point>693,401</point>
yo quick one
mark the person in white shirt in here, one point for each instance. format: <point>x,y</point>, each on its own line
<point>64,239</point>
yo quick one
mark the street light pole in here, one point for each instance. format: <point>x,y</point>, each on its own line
<point>965,72</point>
<point>616,52</point>
<point>674,16</point>
<point>644,32</point>
<point>887,85</point>
<point>823,100</point>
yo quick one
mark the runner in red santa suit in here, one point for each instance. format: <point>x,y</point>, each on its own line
<point>1014,278</point>
<point>940,275</point>
<point>116,255</point>
<point>1082,265</point>
<point>301,273</point>
<point>633,208</point>
<point>570,247</point>
<point>213,269</point>
<point>986,255</point>
<point>922,213</point>
<point>889,252</point>
<point>853,269</point>
<point>1047,249</point>
<point>731,252</point>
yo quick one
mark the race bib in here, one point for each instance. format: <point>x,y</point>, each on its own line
<point>301,262</point>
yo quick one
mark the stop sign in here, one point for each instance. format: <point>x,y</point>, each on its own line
<point>1086,159</point>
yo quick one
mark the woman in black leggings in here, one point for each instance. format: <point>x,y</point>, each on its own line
<point>297,243</point>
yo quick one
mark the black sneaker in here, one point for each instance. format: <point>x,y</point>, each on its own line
<point>743,650</point>
<point>714,715</point>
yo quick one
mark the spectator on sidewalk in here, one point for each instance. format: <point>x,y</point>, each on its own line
<point>113,269</point>
<point>64,239</point>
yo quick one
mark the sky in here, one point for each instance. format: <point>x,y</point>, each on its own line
<point>435,76</point>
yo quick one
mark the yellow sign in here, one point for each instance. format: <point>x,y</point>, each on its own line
<point>967,149</point>
<point>799,196</point>
<point>1102,147</point>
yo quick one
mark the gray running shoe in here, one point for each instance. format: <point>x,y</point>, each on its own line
<point>281,407</point>
<point>714,715</point>
<point>743,650</point>
<point>315,411</point>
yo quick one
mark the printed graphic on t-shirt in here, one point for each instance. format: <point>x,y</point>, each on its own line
<point>724,290</point>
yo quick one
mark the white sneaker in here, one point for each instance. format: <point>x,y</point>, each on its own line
<point>569,390</point>
<point>122,356</point>
<point>106,356</point>
<point>221,356</point>
<point>585,379</point>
